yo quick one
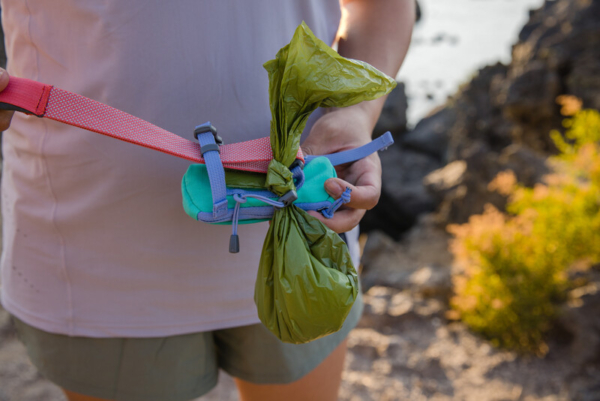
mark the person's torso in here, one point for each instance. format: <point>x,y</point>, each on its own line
<point>96,241</point>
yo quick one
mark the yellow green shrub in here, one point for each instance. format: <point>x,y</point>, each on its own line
<point>514,266</point>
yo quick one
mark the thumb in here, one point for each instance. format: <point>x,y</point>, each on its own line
<point>5,115</point>
<point>4,78</point>
<point>335,187</point>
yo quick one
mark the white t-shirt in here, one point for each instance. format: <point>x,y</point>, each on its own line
<point>96,242</point>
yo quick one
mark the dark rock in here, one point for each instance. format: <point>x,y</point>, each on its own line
<point>499,120</point>
<point>403,196</point>
<point>581,318</point>
<point>585,386</point>
<point>384,263</point>
<point>393,115</point>
<point>442,181</point>
<point>558,53</point>
<point>529,167</point>
<point>536,19</point>
<point>478,118</point>
<point>530,101</point>
<point>420,263</point>
<point>378,243</point>
<point>432,281</point>
<point>531,94</point>
<point>431,133</point>
<point>502,118</point>
<point>462,186</point>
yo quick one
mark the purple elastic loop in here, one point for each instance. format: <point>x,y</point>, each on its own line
<point>343,199</point>
<point>239,199</point>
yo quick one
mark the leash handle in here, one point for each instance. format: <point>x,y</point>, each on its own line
<point>41,100</point>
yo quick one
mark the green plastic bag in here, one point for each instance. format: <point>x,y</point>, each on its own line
<point>306,282</point>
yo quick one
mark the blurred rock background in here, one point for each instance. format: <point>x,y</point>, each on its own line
<point>407,345</point>
<point>439,175</point>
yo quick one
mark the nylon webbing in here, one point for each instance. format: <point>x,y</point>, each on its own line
<point>355,154</point>
<point>216,175</point>
<point>47,101</point>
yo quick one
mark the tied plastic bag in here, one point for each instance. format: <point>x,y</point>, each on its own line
<point>306,282</point>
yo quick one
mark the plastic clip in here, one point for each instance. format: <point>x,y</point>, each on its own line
<point>289,198</point>
<point>234,244</point>
<point>208,127</point>
<point>211,147</point>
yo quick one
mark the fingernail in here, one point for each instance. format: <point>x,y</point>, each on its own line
<point>334,188</point>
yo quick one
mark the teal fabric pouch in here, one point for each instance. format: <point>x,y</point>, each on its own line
<point>258,205</point>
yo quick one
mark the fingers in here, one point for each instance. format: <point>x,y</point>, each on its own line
<point>365,176</point>
<point>342,221</point>
<point>362,197</point>
<point>5,115</point>
<point>5,118</point>
<point>4,78</point>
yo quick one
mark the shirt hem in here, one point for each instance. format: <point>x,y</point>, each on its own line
<point>79,329</point>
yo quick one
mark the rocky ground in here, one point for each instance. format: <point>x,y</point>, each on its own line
<point>405,348</point>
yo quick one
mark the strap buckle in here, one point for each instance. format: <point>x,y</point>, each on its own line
<point>208,147</point>
<point>208,127</point>
<point>209,142</point>
<point>288,198</point>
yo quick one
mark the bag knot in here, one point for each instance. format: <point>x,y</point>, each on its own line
<point>280,179</point>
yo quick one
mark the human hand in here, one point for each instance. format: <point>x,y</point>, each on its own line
<point>336,131</point>
<point>5,115</point>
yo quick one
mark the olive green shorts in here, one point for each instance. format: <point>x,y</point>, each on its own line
<point>175,368</point>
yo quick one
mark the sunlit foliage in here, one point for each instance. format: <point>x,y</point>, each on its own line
<point>515,265</point>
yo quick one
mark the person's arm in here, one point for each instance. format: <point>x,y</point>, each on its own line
<point>377,32</point>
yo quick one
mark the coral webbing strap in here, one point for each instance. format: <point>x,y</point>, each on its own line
<point>47,101</point>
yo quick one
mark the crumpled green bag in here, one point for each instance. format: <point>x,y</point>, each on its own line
<point>306,282</point>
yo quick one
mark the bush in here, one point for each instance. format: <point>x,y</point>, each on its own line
<point>516,264</point>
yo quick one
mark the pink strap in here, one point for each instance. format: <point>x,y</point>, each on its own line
<point>47,101</point>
